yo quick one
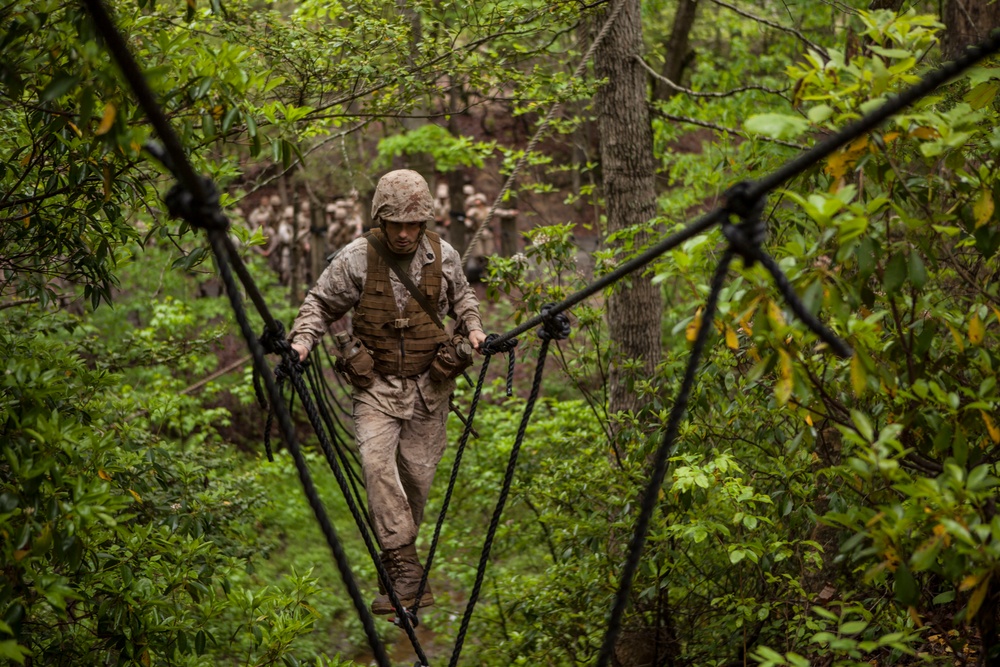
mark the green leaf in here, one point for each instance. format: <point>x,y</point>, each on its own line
<point>917,272</point>
<point>853,627</point>
<point>11,650</point>
<point>863,425</point>
<point>776,125</point>
<point>905,587</point>
<point>895,274</point>
<point>58,86</point>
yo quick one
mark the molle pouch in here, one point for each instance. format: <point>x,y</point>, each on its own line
<point>452,358</point>
<point>358,365</point>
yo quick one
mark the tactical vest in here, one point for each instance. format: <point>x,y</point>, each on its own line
<point>401,343</point>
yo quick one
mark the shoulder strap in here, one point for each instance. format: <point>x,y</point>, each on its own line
<point>403,278</point>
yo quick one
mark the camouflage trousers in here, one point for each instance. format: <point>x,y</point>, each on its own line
<point>398,459</point>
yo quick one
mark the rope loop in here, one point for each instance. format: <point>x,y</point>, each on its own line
<point>205,214</point>
<point>273,339</point>
<point>747,237</point>
<point>554,327</point>
<point>491,347</point>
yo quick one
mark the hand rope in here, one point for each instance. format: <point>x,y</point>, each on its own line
<point>556,327</point>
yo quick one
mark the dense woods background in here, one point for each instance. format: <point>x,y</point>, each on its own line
<point>816,511</point>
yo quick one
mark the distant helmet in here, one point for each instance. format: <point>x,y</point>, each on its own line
<point>479,199</point>
<point>402,195</point>
<point>467,189</point>
<point>331,207</point>
<point>275,200</point>
<point>442,191</point>
<point>288,213</point>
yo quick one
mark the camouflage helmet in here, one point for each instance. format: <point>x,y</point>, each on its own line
<point>402,196</point>
<point>275,201</point>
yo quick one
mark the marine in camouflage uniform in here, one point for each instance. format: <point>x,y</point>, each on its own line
<point>400,418</point>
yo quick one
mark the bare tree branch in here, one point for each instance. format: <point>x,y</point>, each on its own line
<point>720,128</point>
<point>695,93</point>
<point>777,26</point>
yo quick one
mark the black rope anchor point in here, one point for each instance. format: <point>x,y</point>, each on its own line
<point>491,347</point>
<point>746,239</point>
<point>554,327</point>
<point>273,341</point>
<point>201,210</point>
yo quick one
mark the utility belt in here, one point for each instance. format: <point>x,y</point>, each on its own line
<point>356,362</point>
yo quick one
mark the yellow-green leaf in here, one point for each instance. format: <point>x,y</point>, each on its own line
<point>692,328</point>
<point>783,388</point>
<point>107,120</point>
<point>991,427</point>
<point>859,377</point>
<point>982,210</point>
<point>775,315</point>
<point>976,330</point>
<point>732,342</point>
<point>977,598</point>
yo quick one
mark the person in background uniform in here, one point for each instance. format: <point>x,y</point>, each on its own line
<point>401,394</point>
<point>485,246</point>
<point>442,210</point>
<point>284,237</point>
<point>260,219</point>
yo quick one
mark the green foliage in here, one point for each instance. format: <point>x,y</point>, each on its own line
<point>449,152</point>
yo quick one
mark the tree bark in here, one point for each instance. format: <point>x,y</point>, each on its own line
<point>678,51</point>
<point>967,22</point>
<point>456,230</point>
<point>628,169</point>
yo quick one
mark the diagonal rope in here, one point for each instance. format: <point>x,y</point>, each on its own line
<point>786,172</point>
<point>195,199</point>
<point>556,327</point>
<point>615,11</point>
<point>463,441</point>
<point>197,202</point>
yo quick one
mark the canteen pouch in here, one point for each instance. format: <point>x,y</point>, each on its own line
<point>359,368</point>
<point>453,357</point>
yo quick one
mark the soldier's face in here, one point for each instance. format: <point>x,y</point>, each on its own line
<point>403,236</point>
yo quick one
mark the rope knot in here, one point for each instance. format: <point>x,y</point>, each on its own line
<point>554,327</point>
<point>491,347</point>
<point>204,214</point>
<point>273,340</point>
<point>746,237</point>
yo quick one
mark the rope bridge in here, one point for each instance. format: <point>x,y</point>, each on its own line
<point>196,200</point>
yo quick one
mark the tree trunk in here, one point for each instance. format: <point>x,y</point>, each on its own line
<point>456,231</point>
<point>628,169</point>
<point>678,52</point>
<point>967,22</point>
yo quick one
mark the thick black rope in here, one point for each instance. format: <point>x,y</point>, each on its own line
<point>340,436</point>
<point>755,190</point>
<point>289,360</point>
<point>463,441</point>
<point>262,403</point>
<point>651,494</point>
<point>199,199</point>
<point>353,477</point>
<point>218,240</point>
<point>895,104</point>
<point>555,327</point>
<point>196,200</point>
<point>745,239</point>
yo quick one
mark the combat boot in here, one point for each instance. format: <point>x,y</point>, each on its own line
<point>405,572</point>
